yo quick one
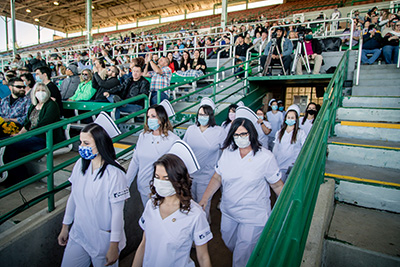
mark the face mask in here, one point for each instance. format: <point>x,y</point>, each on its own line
<point>308,37</point>
<point>25,84</point>
<point>242,142</point>
<point>164,188</point>
<point>51,67</point>
<point>260,117</point>
<point>280,108</point>
<point>153,124</point>
<point>312,112</point>
<point>274,107</point>
<point>232,116</point>
<point>38,79</point>
<point>203,120</point>
<point>290,122</point>
<point>41,96</point>
<point>86,152</point>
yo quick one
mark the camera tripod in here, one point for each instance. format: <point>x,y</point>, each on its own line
<point>267,66</point>
<point>297,55</point>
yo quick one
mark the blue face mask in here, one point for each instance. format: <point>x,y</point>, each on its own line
<point>280,108</point>
<point>86,152</point>
<point>260,117</point>
<point>290,122</point>
<point>38,79</point>
<point>203,120</point>
<point>153,124</point>
<point>274,107</point>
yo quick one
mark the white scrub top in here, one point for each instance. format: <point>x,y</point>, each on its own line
<point>306,127</point>
<point>149,148</point>
<point>245,198</point>
<point>285,152</point>
<point>262,137</point>
<point>169,240</point>
<point>93,197</point>
<point>276,121</point>
<point>226,127</point>
<point>206,147</point>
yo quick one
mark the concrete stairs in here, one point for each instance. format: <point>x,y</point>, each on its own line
<point>364,160</point>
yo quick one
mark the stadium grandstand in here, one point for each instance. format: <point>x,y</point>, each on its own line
<point>333,65</point>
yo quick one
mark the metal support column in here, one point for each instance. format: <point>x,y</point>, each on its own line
<point>89,22</point>
<point>13,30</point>
<point>224,13</point>
<point>38,31</point>
<point>6,24</point>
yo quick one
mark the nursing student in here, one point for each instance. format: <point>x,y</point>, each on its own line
<point>156,140</point>
<point>96,203</point>
<point>226,125</point>
<point>275,117</point>
<point>288,141</point>
<point>172,221</point>
<point>263,128</point>
<point>246,171</point>
<point>308,120</point>
<point>206,140</point>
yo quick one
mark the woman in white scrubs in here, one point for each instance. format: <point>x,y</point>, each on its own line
<point>308,120</point>
<point>263,128</point>
<point>246,171</point>
<point>95,206</point>
<point>231,117</point>
<point>156,140</point>
<point>172,221</point>
<point>288,141</point>
<point>275,117</point>
<point>206,140</point>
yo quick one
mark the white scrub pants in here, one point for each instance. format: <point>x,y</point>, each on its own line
<point>240,239</point>
<point>198,190</point>
<point>76,256</point>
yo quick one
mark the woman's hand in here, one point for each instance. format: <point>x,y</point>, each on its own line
<point>112,254</point>
<point>259,121</point>
<point>203,203</point>
<point>63,236</point>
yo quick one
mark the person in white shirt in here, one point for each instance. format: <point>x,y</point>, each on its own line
<point>288,141</point>
<point>246,171</point>
<point>231,117</point>
<point>308,120</point>
<point>275,117</point>
<point>172,221</point>
<point>156,139</point>
<point>95,206</point>
<point>263,128</point>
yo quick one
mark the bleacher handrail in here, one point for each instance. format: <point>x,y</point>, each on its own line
<point>360,45</point>
<point>365,8</point>
<point>284,236</point>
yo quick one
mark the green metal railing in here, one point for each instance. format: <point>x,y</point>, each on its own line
<point>283,239</point>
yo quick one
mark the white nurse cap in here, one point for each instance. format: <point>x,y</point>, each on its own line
<point>168,107</point>
<point>107,123</point>
<point>185,153</point>
<point>247,113</point>
<point>270,102</point>
<point>295,108</point>
<point>207,101</point>
<point>240,104</point>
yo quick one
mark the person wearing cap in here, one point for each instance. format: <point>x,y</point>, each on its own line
<point>246,171</point>
<point>93,225</point>
<point>172,221</point>
<point>308,120</point>
<point>156,140</point>
<point>263,128</point>
<point>71,83</point>
<point>226,125</point>
<point>206,140</point>
<point>275,117</point>
<point>281,107</point>
<point>288,141</point>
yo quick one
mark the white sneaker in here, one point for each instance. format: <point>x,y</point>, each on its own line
<point>4,175</point>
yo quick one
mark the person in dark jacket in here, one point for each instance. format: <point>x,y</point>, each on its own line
<point>372,45</point>
<point>314,50</point>
<point>37,62</point>
<point>241,48</point>
<point>103,86</point>
<point>71,83</point>
<point>133,86</point>
<point>390,48</point>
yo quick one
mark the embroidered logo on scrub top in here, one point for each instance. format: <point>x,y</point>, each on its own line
<point>202,236</point>
<point>173,220</point>
<point>121,193</point>
<point>142,219</point>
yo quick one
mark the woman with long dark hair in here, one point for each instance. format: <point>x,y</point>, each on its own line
<point>95,206</point>
<point>206,140</point>
<point>308,120</point>
<point>230,118</point>
<point>156,140</point>
<point>288,141</point>
<point>172,221</point>
<point>246,171</point>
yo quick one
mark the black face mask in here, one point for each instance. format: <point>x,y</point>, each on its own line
<point>312,111</point>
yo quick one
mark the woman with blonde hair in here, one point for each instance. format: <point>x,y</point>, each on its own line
<point>85,90</point>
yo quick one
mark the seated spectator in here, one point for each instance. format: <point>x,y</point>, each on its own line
<point>197,66</point>
<point>356,35</point>
<point>103,86</point>
<point>173,65</point>
<point>209,46</point>
<point>100,67</point>
<point>4,90</point>
<point>37,62</point>
<point>371,45</point>
<point>60,69</point>
<point>17,62</point>
<point>263,41</point>
<point>15,106</point>
<point>85,90</point>
<point>160,77</point>
<point>43,76</point>
<point>177,55</point>
<point>185,61</point>
<point>285,49</point>
<point>133,86</point>
<point>390,48</point>
<point>71,83</point>
<point>241,48</point>
<point>29,83</point>
<point>314,51</point>
<point>22,70</point>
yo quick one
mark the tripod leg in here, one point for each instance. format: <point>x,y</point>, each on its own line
<point>280,59</point>
<point>307,63</point>
<point>268,61</point>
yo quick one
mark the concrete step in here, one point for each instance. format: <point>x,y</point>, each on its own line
<point>364,142</point>
<point>387,80</point>
<point>361,90</point>
<point>371,102</point>
<point>371,131</point>
<point>377,67</point>
<point>371,156</point>
<point>362,237</point>
<point>369,114</point>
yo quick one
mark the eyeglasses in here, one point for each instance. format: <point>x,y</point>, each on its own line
<point>84,74</point>
<point>19,86</point>
<point>240,135</point>
<point>108,69</point>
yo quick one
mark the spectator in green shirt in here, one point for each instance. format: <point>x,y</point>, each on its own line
<point>85,90</point>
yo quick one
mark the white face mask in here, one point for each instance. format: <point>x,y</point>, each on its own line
<point>41,96</point>
<point>232,116</point>
<point>164,188</point>
<point>242,142</point>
